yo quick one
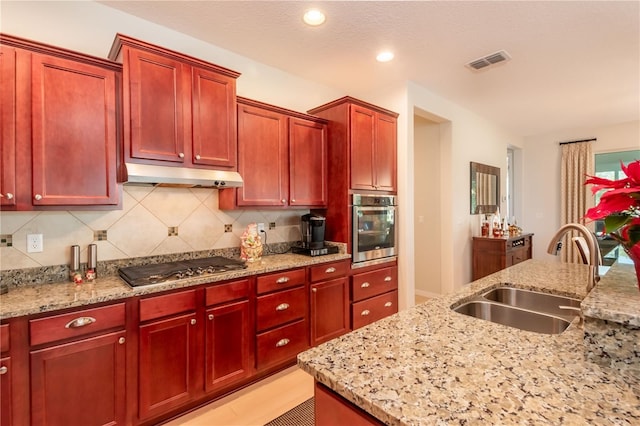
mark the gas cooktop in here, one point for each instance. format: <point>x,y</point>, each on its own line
<point>159,273</point>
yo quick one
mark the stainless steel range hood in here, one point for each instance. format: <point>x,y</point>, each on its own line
<point>181,176</point>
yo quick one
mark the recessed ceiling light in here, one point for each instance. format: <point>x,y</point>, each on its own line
<point>384,56</point>
<point>314,17</point>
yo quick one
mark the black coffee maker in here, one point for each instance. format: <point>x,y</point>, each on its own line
<point>312,227</point>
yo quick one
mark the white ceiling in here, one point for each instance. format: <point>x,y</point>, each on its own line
<point>574,64</point>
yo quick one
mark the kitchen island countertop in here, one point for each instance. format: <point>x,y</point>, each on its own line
<point>48,297</point>
<point>431,365</point>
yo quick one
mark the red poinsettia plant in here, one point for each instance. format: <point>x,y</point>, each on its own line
<point>619,206</point>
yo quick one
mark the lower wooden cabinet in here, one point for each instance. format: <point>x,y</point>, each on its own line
<point>79,383</point>
<point>6,399</point>
<point>331,409</point>
<point>374,295</point>
<point>494,254</point>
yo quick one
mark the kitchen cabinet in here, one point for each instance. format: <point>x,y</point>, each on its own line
<point>59,115</point>
<point>78,368</point>
<point>374,295</point>
<point>178,110</point>
<point>329,301</point>
<point>331,409</point>
<point>229,346</point>
<point>281,317</point>
<point>492,254</point>
<point>365,136</point>
<point>168,353</point>
<point>282,158</point>
<point>6,372</point>
<point>8,126</point>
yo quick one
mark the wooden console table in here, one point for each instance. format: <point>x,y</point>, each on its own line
<point>491,254</point>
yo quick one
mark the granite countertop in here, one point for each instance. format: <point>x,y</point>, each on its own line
<point>431,365</point>
<point>47,297</point>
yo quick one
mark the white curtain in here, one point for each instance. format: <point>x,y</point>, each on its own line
<point>577,163</point>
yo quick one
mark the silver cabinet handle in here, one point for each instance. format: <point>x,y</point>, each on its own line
<point>80,322</point>
<point>365,284</point>
<point>8,196</point>
<point>282,280</point>
<point>387,279</point>
<point>282,307</point>
<point>193,321</point>
<point>330,270</point>
<point>210,317</point>
<point>197,157</point>
<point>3,370</point>
<point>388,304</point>
<point>282,342</point>
<point>38,197</point>
<point>121,340</point>
<point>365,312</point>
<point>181,155</point>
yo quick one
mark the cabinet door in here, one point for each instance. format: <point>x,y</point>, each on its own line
<point>329,310</point>
<point>7,126</point>
<point>362,138</point>
<point>167,369</point>
<point>153,107</point>
<point>307,163</point>
<point>263,159</point>
<point>74,133</point>
<point>5,392</point>
<point>385,153</point>
<point>80,383</point>
<point>214,118</point>
<point>229,345</point>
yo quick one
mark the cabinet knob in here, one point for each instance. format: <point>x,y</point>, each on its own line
<point>282,342</point>
<point>330,270</point>
<point>181,155</point>
<point>38,197</point>
<point>282,307</point>
<point>80,322</point>
<point>365,313</point>
<point>365,284</point>
<point>284,201</point>
<point>315,290</point>
<point>210,317</point>
<point>8,196</point>
<point>3,370</point>
<point>121,340</point>
<point>193,321</point>
<point>388,304</point>
<point>293,200</point>
<point>387,279</point>
<point>282,280</point>
<point>197,157</point>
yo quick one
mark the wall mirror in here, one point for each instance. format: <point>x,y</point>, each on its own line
<point>485,188</point>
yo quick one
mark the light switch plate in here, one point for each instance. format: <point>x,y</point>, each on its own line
<point>35,243</point>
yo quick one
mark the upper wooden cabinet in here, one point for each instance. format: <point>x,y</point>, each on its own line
<point>363,141</point>
<point>282,158</point>
<point>59,127</point>
<point>178,110</point>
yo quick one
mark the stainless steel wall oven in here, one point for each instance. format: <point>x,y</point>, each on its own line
<point>374,230</point>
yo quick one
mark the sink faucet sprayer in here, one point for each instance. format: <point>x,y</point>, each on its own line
<point>594,249</point>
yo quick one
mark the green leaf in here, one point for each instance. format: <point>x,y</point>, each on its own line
<point>613,222</point>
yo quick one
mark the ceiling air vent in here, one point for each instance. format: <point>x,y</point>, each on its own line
<point>489,60</point>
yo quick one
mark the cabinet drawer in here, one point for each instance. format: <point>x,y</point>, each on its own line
<point>76,324</point>
<point>281,307</point>
<point>168,304</point>
<point>282,344</point>
<point>280,280</point>
<point>371,310</point>
<point>223,293</point>
<point>328,271</point>
<point>4,337</point>
<point>373,283</point>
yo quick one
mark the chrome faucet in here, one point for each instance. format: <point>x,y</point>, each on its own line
<point>592,242</point>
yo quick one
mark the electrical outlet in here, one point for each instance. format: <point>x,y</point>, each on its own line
<point>35,243</point>
<point>260,227</point>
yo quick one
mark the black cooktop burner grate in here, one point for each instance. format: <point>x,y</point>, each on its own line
<point>172,271</point>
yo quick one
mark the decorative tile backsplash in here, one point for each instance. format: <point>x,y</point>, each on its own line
<point>147,225</point>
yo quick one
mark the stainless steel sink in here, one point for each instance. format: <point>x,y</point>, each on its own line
<point>533,300</point>
<point>513,317</point>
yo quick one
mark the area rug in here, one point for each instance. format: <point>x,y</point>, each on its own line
<point>300,415</point>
